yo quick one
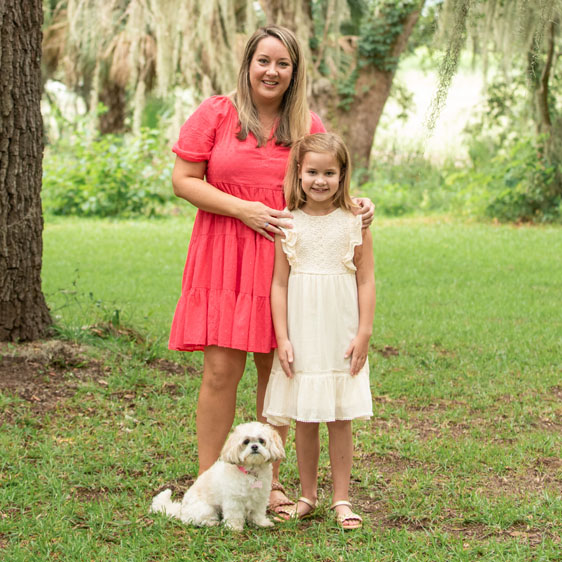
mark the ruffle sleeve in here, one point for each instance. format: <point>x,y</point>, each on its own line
<point>197,135</point>
<point>289,245</point>
<point>355,239</point>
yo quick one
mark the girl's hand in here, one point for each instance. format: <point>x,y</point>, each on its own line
<point>366,210</point>
<point>358,350</point>
<point>265,220</point>
<point>285,352</point>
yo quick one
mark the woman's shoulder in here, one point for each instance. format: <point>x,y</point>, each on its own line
<point>316,125</point>
<point>217,106</point>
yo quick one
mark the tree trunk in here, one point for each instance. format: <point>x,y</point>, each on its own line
<point>23,312</point>
<point>357,121</point>
<point>113,96</point>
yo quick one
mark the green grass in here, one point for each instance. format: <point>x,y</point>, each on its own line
<point>461,460</point>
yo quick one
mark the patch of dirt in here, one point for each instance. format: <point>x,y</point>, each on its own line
<point>46,373</point>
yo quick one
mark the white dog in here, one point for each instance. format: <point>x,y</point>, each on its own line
<point>236,487</point>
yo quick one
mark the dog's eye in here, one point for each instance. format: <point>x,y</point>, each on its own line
<point>246,441</point>
<point>262,441</point>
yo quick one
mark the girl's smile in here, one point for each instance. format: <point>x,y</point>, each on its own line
<point>320,175</point>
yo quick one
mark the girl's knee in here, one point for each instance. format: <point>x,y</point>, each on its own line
<point>339,426</point>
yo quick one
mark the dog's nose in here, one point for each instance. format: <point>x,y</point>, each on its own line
<point>255,447</point>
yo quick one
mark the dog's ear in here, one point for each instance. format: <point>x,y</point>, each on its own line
<point>276,448</point>
<point>231,451</point>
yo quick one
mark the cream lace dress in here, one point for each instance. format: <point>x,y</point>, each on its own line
<point>322,319</point>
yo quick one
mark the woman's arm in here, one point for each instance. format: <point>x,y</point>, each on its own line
<point>366,294</point>
<point>279,289</point>
<point>189,184</point>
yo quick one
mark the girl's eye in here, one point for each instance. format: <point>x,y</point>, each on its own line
<point>285,64</point>
<point>262,61</point>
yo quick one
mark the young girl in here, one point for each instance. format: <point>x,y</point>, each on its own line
<point>323,303</point>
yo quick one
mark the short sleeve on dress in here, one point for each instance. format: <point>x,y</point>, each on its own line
<point>316,125</point>
<point>355,239</point>
<point>197,135</point>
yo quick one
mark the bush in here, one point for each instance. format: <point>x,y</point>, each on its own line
<point>516,184</point>
<point>411,185</point>
<point>108,176</point>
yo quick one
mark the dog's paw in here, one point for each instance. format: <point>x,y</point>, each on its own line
<point>264,523</point>
<point>237,526</point>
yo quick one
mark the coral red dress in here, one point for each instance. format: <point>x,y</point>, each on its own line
<point>229,267</point>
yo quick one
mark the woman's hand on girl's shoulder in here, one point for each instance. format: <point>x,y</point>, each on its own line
<point>265,220</point>
<point>365,208</point>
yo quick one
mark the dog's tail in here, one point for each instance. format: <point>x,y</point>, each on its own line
<point>163,503</point>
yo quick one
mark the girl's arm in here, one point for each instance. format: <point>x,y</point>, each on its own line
<point>366,293</point>
<point>279,287</point>
<point>189,184</point>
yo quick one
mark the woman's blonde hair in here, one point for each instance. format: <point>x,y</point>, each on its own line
<point>294,118</point>
<point>323,143</point>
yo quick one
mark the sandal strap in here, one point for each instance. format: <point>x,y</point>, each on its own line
<point>341,502</point>
<point>308,502</point>
<point>276,486</point>
<point>350,517</point>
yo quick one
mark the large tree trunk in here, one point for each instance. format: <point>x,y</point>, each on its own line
<point>23,312</point>
<point>357,121</point>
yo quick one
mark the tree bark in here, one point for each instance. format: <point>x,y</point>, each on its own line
<point>357,123</point>
<point>23,311</point>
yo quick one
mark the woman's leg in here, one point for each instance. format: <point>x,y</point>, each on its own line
<point>222,370</point>
<point>341,458</point>
<point>307,442</point>
<point>264,361</point>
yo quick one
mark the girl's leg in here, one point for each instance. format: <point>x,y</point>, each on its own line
<point>222,370</point>
<point>307,443</point>
<point>341,458</point>
<point>264,361</point>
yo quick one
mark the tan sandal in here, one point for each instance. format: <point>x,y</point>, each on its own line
<point>343,519</point>
<point>280,509</point>
<point>294,514</point>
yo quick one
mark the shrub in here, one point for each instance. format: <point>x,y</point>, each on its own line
<point>108,176</point>
<point>516,184</point>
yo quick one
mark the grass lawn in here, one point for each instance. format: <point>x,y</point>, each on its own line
<point>461,461</point>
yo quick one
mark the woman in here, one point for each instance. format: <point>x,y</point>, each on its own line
<point>231,159</point>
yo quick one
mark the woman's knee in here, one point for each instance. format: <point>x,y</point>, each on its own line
<point>223,369</point>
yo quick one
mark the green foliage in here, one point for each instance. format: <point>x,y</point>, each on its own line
<point>108,176</point>
<point>379,30</point>
<point>408,185</point>
<point>514,184</point>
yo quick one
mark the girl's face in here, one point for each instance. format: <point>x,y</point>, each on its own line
<point>270,72</point>
<point>320,174</point>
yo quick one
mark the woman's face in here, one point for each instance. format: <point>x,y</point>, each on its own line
<point>271,72</point>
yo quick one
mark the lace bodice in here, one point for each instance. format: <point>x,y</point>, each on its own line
<point>322,244</point>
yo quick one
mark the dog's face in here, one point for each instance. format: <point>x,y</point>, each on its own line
<point>253,444</point>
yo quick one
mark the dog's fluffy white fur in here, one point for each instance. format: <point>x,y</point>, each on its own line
<point>236,488</point>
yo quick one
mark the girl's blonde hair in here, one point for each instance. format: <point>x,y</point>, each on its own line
<point>294,119</point>
<point>324,143</point>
